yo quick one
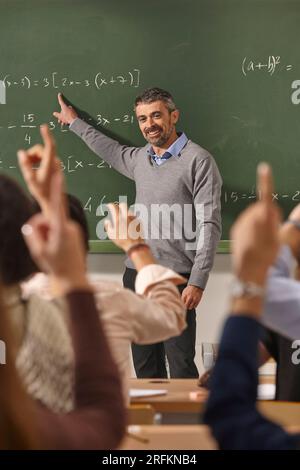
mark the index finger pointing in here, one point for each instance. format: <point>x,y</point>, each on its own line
<point>265,184</point>
<point>60,100</point>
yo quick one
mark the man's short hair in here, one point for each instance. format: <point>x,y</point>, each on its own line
<point>15,209</point>
<point>156,94</point>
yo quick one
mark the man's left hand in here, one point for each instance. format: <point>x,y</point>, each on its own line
<point>191,296</point>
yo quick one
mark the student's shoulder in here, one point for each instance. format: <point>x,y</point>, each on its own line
<point>104,286</point>
<point>109,288</point>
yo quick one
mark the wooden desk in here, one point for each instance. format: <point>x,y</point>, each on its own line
<point>177,400</point>
<point>195,437</point>
<point>282,412</point>
<point>177,407</point>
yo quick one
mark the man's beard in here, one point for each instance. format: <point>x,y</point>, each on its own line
<point>161,139</point>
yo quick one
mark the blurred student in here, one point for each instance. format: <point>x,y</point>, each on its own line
<point>98,420</point>
<point>284,350</point>
<point>231,409</point>
<point>44,352</point>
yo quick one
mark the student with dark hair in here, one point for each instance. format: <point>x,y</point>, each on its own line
<point>15,209</point>
<point>16,428</point>
<point>76,213</point>
<point>98,420</point>
<point>45,355</point>
<point>169,171</point>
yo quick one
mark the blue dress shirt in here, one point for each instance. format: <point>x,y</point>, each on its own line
<point>173,150</point>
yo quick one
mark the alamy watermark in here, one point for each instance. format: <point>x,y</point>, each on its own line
<point>2,92</point>
<point>296,354</point>
<point>2,353</point>
<point>160,222</point>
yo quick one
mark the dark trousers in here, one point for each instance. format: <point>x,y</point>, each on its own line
<point>149,360</point>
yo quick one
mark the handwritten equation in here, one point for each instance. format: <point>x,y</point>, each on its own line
<point>233,197</point>
<point>29,122</point>
<point>99,81</point>
<point>269,65</point>
<point>69,164</point>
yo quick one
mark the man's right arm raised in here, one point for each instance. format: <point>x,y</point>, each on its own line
<point>120,157</point>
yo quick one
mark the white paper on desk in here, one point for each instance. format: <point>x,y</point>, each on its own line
<point>266,391</point>
<point>141,392</point>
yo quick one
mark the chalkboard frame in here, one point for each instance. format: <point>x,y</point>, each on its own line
<point>106,247</point>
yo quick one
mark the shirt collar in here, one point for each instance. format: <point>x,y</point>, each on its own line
<point>173,150</point>
<point>178,145</point>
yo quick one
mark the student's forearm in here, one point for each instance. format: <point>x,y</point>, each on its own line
<point>142,257</point>
<point>62,285</point>
<point>290,235</point>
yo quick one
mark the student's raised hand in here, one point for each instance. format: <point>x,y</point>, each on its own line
<point>124,229</point>
<point>295,214</point>
<point>39,179</point>
<point>56,243</point>
<point>290,233</point>
<point>67,114</point>
<point>255,234</point>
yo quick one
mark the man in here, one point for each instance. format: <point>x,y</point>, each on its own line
<point>178,180</point>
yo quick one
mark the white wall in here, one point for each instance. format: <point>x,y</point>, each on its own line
<point>210,313</point>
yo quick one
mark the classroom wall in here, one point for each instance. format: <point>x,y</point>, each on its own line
<point>210,313</point>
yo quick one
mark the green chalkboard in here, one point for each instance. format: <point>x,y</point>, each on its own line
<point>231,65</point>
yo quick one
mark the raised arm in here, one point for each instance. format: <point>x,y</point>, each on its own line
<point>120,157</point>
<point>158,313</point>
<point>282,301</point>
<point>98,419</point>
<point>231,409</point>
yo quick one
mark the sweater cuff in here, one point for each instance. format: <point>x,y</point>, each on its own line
<point>198,278</point>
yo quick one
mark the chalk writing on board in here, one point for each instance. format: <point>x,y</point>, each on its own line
<point>102,121</point>
<point>69,164</point>
<point>270,65</point>
<point>233,197</point>
<point>97,205</point>
<point>29,123</point>
<point>72,164</point>
<point>100,80</point>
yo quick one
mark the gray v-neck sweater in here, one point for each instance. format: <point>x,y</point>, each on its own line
<point>184,192</point>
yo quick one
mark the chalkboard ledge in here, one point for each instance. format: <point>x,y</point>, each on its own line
<point>102,246</point>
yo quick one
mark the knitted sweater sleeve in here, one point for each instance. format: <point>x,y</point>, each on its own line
<point>120,157</point>
<point>98,421</point>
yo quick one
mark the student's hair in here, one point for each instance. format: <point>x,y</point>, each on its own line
<point>17,429</point>
<point>15,209</point>
<point>156,94</point>
<point>76,213</point>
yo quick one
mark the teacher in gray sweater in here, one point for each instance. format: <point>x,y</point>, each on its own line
<point>178,188</point>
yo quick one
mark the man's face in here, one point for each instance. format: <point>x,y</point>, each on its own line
<point>156,122</point>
